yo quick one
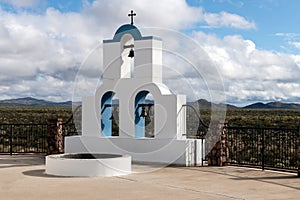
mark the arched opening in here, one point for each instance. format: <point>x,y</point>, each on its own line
<point>109,114</point>
<point>144,115</point>
<point>127,55</point>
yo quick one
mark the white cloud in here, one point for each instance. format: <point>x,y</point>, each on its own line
<point>150,13</point>
<point>287,35</point>
<point>40,54</point>
<point>251,74</point>
<point>295,44</point>
<point>291,39</point>
<point>23,3</point>
<point>225,19</point>
<point>54,44</point>
<point>174,14</point>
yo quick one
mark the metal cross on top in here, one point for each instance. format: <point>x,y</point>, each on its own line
<point>131,15</point>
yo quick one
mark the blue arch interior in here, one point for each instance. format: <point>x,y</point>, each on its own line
<point>138,120</point>
<point>106,112</point>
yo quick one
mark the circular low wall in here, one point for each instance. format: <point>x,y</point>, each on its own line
<point>88,164</point>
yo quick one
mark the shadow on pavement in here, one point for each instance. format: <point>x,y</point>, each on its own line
<point>7,161</point>
<point>41,173</point>
<point>239,175</point>
<point>267,178</point>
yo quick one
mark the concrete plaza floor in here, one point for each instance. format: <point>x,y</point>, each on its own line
<point>23,177</point>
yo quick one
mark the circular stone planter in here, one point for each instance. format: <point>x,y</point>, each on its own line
<point>88,164</point>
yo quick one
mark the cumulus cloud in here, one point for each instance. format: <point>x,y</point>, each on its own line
<point>150,13</point>
<point>40,54</point>
<point>250,73</point>
<point>52,45</point>
<point>225,19</point>
<point>23,3</point>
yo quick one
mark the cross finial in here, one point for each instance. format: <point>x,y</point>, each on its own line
<point>131,14</point>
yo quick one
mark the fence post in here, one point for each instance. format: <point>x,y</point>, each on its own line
<point>54,136</point>
<point>224,144</point>
<point>11,140</point>
<point>298,151</point>
<point>263,150</point>
<point>219,154</point>
<point>202,151</point>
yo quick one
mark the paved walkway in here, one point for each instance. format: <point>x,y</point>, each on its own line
<point>22,177</point>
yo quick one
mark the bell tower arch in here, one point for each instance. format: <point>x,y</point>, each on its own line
<point>127,56</point>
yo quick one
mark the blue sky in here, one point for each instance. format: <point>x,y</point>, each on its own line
<point>270,16</point>
<point>255,43</point>
<point>41,6</point>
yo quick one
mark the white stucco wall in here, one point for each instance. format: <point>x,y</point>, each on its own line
<point>181,152</point>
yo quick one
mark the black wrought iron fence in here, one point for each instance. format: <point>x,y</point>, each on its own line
<point>32,138</point>
<point>29,138</point>
<point>195,126</point>
<point>23,138</point>
<point>275,148</point>
<point>73,125</point>
<point>69,128</point>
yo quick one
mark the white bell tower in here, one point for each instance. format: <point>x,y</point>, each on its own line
<point>145,64</point>
<point>132,69</point>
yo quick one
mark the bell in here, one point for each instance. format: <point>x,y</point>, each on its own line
<point>144,112</point>
<point>147,120</point>
<point>131,53</point>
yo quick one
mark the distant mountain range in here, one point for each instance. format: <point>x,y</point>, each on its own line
<point>202,103</point>
<point>29,101</point>
<point>274,105</point>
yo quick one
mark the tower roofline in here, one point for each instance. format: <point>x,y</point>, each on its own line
<point>129,29</point>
